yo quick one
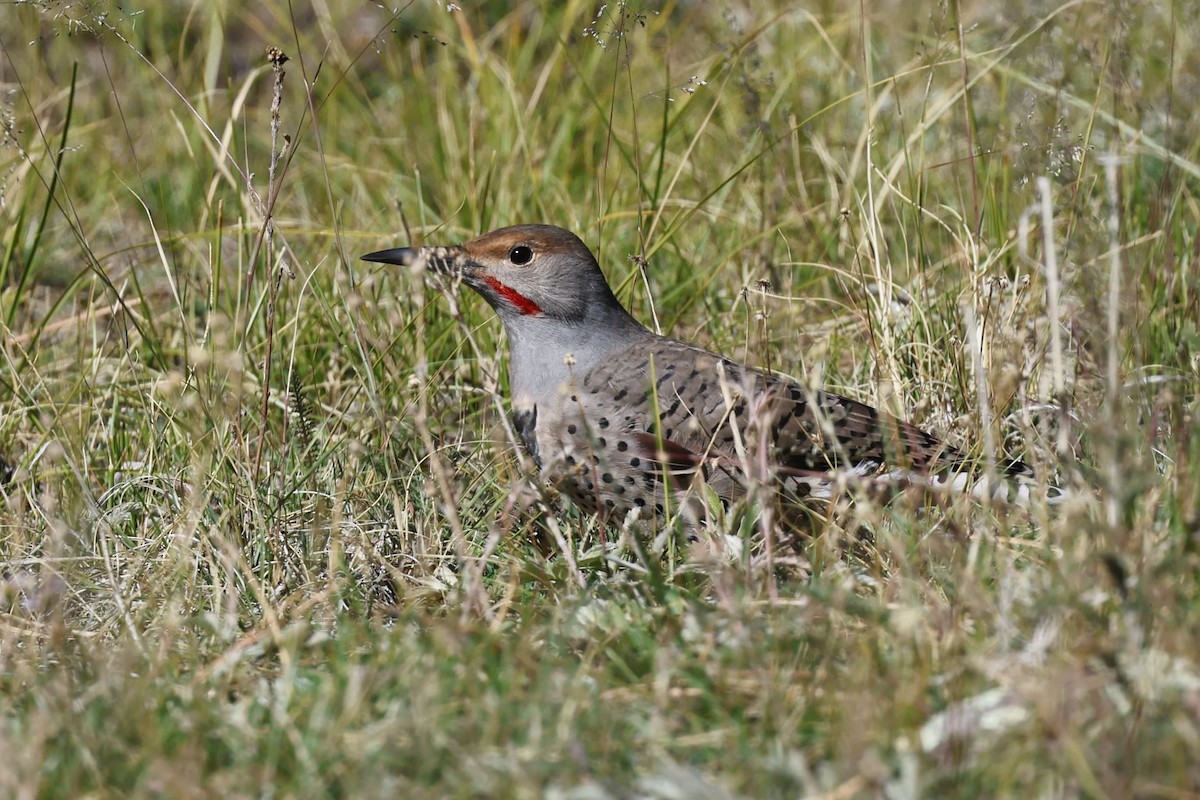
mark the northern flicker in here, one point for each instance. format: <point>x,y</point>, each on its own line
<point>630,423</point>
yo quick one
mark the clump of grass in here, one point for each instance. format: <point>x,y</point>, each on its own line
<point>268,526</point>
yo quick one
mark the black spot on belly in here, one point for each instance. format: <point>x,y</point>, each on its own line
<point>526,424</point>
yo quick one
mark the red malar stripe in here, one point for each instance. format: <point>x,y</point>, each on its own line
<point>518,300</point>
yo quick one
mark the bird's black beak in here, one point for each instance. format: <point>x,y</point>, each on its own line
<point>400,256</point>
<point>448,260</point>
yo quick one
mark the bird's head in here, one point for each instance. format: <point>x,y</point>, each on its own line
<point>524,271</point>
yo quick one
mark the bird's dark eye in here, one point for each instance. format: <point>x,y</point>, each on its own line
<point>520,254</point>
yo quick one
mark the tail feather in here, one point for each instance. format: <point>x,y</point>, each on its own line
<point>1012,482</point>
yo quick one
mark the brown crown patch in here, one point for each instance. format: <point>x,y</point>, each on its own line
<point>542,239</point>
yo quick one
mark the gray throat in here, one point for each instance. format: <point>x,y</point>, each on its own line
<point>547,352</point>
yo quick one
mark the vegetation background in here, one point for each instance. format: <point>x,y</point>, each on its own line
<point>264,532</point>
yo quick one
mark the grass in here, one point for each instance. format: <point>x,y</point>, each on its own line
<point>264,531</point>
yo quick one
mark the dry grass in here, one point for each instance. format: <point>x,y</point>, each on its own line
<point>264,531</point>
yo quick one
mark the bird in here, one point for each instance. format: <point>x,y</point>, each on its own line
<point>632,425</point>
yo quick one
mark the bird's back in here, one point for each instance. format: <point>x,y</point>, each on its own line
<point>628,421</point>
<point>643,428</point>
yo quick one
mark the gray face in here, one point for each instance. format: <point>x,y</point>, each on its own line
<point>548,291</point>
<point>523,271</point>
